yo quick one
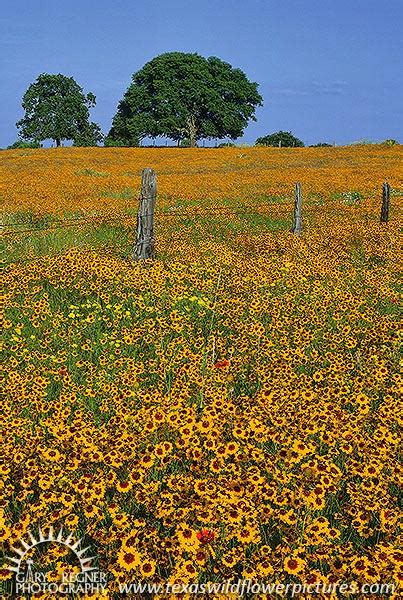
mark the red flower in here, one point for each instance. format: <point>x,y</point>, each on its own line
<point>205,536</point>
<point>221,364</point>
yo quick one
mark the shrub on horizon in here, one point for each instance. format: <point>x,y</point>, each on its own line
<point>284,139</point>
<point>21,144</point>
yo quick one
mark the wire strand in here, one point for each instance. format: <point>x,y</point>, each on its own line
<point>67,223</point>
<point>157,213</point>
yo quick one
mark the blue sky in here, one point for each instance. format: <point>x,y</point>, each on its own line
<point>328,70</point>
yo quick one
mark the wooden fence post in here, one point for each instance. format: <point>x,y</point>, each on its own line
<point>297,225</point>
<point>145,217</point>
<point>385,202</point>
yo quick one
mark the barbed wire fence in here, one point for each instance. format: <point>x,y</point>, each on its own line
<point>142,225</point>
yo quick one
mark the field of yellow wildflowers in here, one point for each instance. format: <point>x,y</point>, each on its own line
<point>228,411</point>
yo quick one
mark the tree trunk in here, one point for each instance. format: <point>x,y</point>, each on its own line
<point>57,142</point>
<point>192,131</point>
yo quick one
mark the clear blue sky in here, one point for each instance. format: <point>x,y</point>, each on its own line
<point>329,70</point>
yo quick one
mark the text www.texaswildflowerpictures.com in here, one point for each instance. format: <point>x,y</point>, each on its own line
<point>247,586</point>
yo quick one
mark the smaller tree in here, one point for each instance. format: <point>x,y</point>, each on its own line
<point>285,139</point>
<point>56,108</point>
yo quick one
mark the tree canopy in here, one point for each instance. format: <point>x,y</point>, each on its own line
<point>185,96</point>
<point>285,139</point>
<point>56,108</point>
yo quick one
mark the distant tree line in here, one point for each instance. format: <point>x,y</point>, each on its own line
<point>180,96</point>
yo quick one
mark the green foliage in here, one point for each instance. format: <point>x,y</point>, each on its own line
<point>321,145</point>
<point>226,145</point>
<point>185,143</point>
<point>125,194</point>
<point>92,173</point>
<point>351,197</point>
<point>285,139</point>
<point>56,108</point>
<point>111,142</point>
<point>362,143</point>
<point>20,144</point>
<point>179,95</point>
<point>41,242</point>
<point>91,135</point>
<point>390,143</point>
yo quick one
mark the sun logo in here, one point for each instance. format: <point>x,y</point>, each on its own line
<point>49,538</point>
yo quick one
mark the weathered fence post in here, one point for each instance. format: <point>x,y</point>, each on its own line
<point>297,225</point>
<point>145,217</point>
<point>385,202</point>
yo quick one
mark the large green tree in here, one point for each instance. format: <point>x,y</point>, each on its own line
<point>56,108</point>
<point>185,96</point>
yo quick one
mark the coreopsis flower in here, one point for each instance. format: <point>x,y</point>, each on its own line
<point>129,559</point>
<point>147,568</point>
<point>294,565</point>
